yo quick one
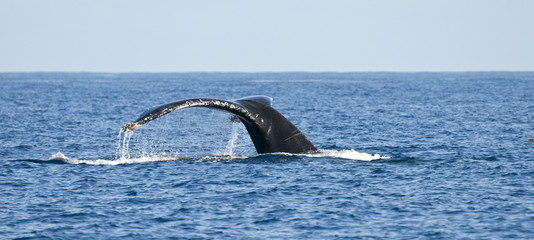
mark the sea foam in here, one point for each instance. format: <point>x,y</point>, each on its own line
<point>348,154</point>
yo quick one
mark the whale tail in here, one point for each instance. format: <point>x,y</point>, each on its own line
<point>269,130</point>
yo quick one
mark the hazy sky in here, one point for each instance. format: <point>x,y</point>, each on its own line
<point>286,35</point>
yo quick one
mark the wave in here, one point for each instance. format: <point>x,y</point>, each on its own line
<point>342,154</point>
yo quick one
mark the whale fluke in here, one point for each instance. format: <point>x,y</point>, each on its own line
<point>269,130</point>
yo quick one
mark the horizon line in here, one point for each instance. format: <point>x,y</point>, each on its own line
<point>296,71</point>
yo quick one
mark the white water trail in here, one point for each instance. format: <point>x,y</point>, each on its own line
<point>348,154</point>
<point>60,156</point>
<point>341,154</point>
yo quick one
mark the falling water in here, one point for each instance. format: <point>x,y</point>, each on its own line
<point>122,145</point>
<point>230,146</point>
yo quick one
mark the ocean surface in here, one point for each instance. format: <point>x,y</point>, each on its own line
<point>403,156</point>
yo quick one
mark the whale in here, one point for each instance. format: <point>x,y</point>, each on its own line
<point>269,130</point>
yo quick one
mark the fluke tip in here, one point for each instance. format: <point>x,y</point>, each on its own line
<point>130,126</point>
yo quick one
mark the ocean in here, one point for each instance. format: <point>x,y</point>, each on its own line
<point>422,155</point>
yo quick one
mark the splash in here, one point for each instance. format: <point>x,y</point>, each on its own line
<point>230,146</point>
<point>57,156</point>
<point>154,153</point>
<point>122,151</point>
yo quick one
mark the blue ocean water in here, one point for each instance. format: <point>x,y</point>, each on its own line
<point>405,155</point>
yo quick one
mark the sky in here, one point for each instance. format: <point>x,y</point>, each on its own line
<point>260,36</point>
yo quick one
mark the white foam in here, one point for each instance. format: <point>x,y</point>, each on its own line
<point>57,156</point>
<point>344,154</point>
<point>60,156</point>
<point>347,154</point>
